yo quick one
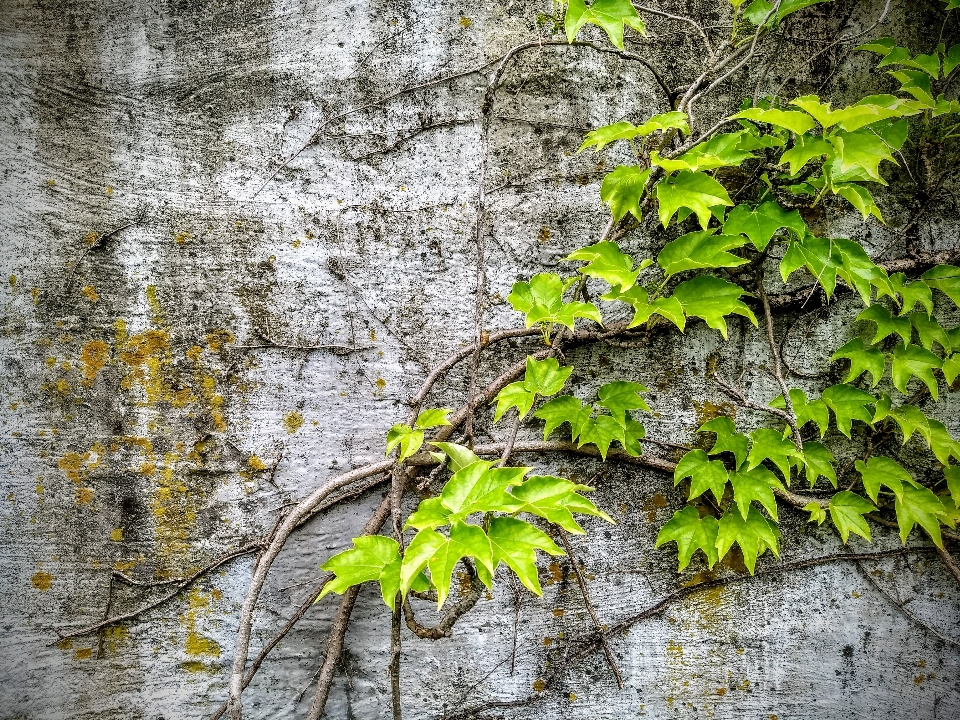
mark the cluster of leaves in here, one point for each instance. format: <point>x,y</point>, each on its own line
<point>411,438</point>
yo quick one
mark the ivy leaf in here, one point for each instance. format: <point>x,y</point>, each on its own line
<point>930,331</point>
<point>806,410</point>
<point>600,431</point>
<point>847,510</point>
<point>860,272</point>
<point>464,541</point>
<point>946,279</point>
<point>565,409</point>
<point>696,191</point>
<point>805,148</point>
<point>886,324</point>
<point>918,505</point>
<point>605,261</point>
<point>514,542</point>
<point>817,513</point>
<point>622,189</point>
<point>691,160</point>
<point>821,258</point>
<point>848,404</point>
<point>879,471</point>
<point>860,198</point>
<point>481,488</point>
<point>952,474</point>
<point>862,359</point>
<point>704,473</point>
<point>916,83</point>
<point>555,499</point>
<point>771,445</point>
<point>373,557</point>
<point>633,433</point>
<point>951,368</point>
<point>603,136</point>
<point>514,395</point>
<point>542,301</point>
<point>407,438</point>
<point>611,15</point>
<point>911,294</point>
<point>690,533</point>
<point>756,485</point>
<point>911,419</point>
<point>861,150</point>
<point>913,361</point>
<point>711,298</point>
<point>545,377</point>
<point>754,535</point>
<point>728,439</point>
<point>620,397</point>
<point>432,418</point>
<point>792,120</point>
<point>818,461</point>
<point>460,456</point>
<point>430,514</point>
<point>700,250</point>
<point>636,296</point>
<point>762,223</point>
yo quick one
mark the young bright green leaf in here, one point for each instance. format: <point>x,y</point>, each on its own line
<point>918,505</point>
<point>481,488</point>
<point>622,189</point>
<point>946,279</point>
<point>821,112</point>
<point>859,197</point>
<point>818,461</point>
<point>821,258</point>
<point>862,359</point>
<point>690,160</point>
<point>432,418</point>
<point>545,377</point>
<point>886,324</point>
<point>879,471</point>
<point>431,513</point>
<point>913,361</point>
<point>374,557</point>
<point>555,499</point>
<point>762,223</point>
<point>860,272</point>
<point>514,395</point>
<point>951,368</point>
<point>701,249</point>
<point>601,431</point>
<point>911,294</point>
<point>848,404</point>
<point>916,83</point>
<point>930,331</point>
<point>771,445</point>
<point>817,513</point>
<point>464,541</point>
<point>754,534</point>
<point>704,473</point>
<point>636,296</point>
<point>755,484</point>
<point>792,120</point>
<point>695,191</point>
<point>620,397</point>
<point>690,533</point>
<point>951,58</point>
<point>807,410</point>
<point>603,136</point>
<point>460,456</point>
<point>542,301</point>
<point>611,15</point>
<point>711,298</point>
<point>861,151</point>
<point>952,474</point>
<point>805,148</point>
<point>514,542</point>
<point>847,510</point>
<point>605,261</point>
<point>565,409</point>
<point>728,439</point>
<point>407,438</point>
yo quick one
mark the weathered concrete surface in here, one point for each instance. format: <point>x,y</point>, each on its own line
<point>137,437</point>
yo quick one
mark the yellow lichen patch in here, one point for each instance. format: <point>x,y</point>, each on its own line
<point>137,349</point>
<point>120,332</point>
<point>292,421</point>
<point>194,353</point>
<point>13,281</point>
<point>256,464</point>
<point>84,495</point>
<point>181,238</point>
<point>115,637</point>
<point>572,696</point>
<point>116,535</point>
<point>35,295</point>
<point>93,358</point>
<point>83,653</point>
<point>41,580</point>
<point>174,511</point>
<point>465,22</point>
<point>65,644</point>
<point>197,644</point>
<point>707,411</point>
<point>539,685</point>
<point>125,565</point>
<point>90,293</point>
<point>218,338</point>
<point>90,239</point>
<point>72,465</point>
<point>558,612</point>
<point>381,383</point>
<point>154,304</point>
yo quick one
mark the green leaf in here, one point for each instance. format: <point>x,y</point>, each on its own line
<point>728,439</point>
<point>711,298</point>
<point>862,359</point>
<point>555,499</point>
<point>460,455</point>
<point>951,58</point>
<point>916,83</point>
<point>946,279</point>
<point>622,189</point>
<point>916,506</point>
<point>481,488</point>
<point>820,256</point>
<point>407,438</point>
<point>860,198</point>
<point>912,293</point>
<point>695,191</point>
<point>848,404</point>
<point>605,261</point>
<point>793,121</point>
<point>754,535</point>
<point>910,419</point>
<point>704,473</point>
<point>847,510</point>
<point>432,418</point>
<point>690,533</point>
<point>762,223</point>
<point>636,296</point>
<point>952,474</point>
<point>633,433</point>
<point>879,471</point>
<point>514,542</point>
<point>951,368</point>
<point>430,514</point>
<point>861,152</point>
<point>565,409</point>
<point>817,513</point>
<point>374,557</point>
<point>601,137</point>
<point>771,445</point>
<point>818,461</point>
<point>701,250</point>
<point>611,15</point>
<point>514,395</point>
<point>805,148</point>
<point>806,410</point>
<point>542,301</point>
<point>886,323</point>
<point>755,484</point>
<point>930,331</point>
<point>601,431</point>
<point>418,553</point>
<point>464,541</point>
<point>913,361</point>
<point>545,377</point>
<point>620,397</point>
<point>860,272</point>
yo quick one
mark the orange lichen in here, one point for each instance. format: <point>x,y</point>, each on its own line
<point>93,358</point>
<point>256,464</point>
<point>41,580</point>
<point>137,349</point>
<point>72,464</point>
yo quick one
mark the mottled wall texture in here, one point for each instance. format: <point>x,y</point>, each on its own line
<point>162,273</point>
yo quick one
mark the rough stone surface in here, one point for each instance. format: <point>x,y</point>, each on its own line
<point>148,234</point>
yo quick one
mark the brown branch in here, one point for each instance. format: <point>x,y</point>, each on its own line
<point>949,562</point>
<point>452,615</point>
